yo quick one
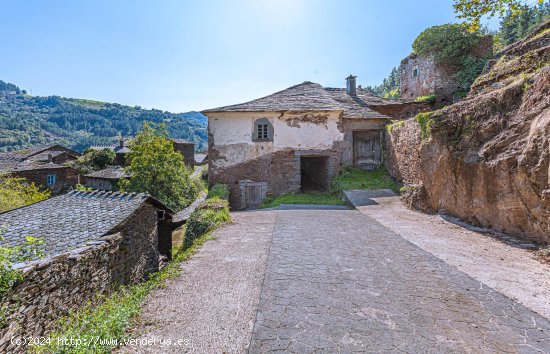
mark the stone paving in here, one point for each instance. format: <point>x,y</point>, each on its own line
<point>338,281</point>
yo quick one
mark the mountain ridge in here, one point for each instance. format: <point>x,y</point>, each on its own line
<point>27,121</point>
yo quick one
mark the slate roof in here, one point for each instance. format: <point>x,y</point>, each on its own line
<point>305,96</point>
<point>113,172</point>
<point>33,159</point>
<point>309,96</point>
<point>69,220</point>
<point>355,106</point>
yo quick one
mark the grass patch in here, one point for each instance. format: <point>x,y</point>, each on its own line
<point>219,190</point>
<point>99,328</point>
<point>303,198</point>
<point>353,178</point>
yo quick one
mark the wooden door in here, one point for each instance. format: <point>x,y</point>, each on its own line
<point>367,149</point>
<point>253,196</point>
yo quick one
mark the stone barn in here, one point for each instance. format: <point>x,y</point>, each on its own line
<point>294,140</point>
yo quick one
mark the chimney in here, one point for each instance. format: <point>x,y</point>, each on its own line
<point>350,85</point>
<point>121,142</point>
<point>50,158</point>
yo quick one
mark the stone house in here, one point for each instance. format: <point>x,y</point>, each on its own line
<point>46,167</point>
<point>294,140</point>
<point>422,76</point>
<point>94,242</point>
<point>106,179</point>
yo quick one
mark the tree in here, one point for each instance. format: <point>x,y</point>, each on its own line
<point>390,85</point>
<point>94,160</point>
<point>474,10</point>
<point>157,169</point>
<point>516,27</point>
<point>15,192</point>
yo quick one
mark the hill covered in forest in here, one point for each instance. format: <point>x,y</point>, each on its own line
<point>27,121</point>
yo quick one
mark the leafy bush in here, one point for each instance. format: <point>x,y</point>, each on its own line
<point>15,192</point>
<point>450,44</point>
<point>219,190</point>
<point>209,215</point>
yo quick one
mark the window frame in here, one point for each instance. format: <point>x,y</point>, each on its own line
<point>51,179</point>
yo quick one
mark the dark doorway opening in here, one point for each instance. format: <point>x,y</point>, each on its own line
<point>314,173</point>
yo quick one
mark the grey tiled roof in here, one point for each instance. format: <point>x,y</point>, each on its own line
<point>311,96</point>
<point>113,172</point>
<point>69,220</point>
<point>304,96</point>
<point>355,106</point>
<point>32,159</point>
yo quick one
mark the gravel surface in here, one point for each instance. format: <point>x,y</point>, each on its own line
<point>505,267</point>
<point>211,307</point>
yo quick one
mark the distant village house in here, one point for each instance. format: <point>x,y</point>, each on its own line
<point>46,167</point>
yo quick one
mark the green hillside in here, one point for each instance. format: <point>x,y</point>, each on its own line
<point>27,121</point>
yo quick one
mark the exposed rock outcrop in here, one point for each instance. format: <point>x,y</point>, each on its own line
<point>487,157</point>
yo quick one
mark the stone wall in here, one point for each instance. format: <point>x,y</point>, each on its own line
<point>188,152</point>
<point>403,144</point>
<point>281,171</point>
<point>53,287</point>
<point>430,79</point>
<point>66,178</point>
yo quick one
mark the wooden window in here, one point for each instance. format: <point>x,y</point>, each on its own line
<point>262,131</point>
<point>50,180</point>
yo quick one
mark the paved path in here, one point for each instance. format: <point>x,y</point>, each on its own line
<point>340,281</point>
<point>505,264</point>
<point>331,281</point>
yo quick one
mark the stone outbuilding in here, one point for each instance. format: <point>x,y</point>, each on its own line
<point>294,140</point>
<point>106,179</point>
<point>94,243</point>
<point>47,167</point>
<point>423,76</point>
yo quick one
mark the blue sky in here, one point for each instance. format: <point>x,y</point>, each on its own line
<point>179,55</point>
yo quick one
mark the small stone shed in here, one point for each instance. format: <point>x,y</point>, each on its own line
<point>295,140</point>
<point>95,242</point>
<point>46,167</point>
<point>105,179</point>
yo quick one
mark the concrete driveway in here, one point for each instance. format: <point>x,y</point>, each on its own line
<point>331,281</point>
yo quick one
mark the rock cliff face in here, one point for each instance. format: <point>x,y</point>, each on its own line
<point>486,158</point>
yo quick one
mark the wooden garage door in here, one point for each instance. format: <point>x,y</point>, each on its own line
<point>367,148</point>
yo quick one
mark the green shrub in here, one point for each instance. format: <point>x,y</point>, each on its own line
<point>395,126</point>
<point>425,121</point>
<point>219,190</point>
<point>430,98</point>
<point>209,215</point>
<point>15,192</point>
